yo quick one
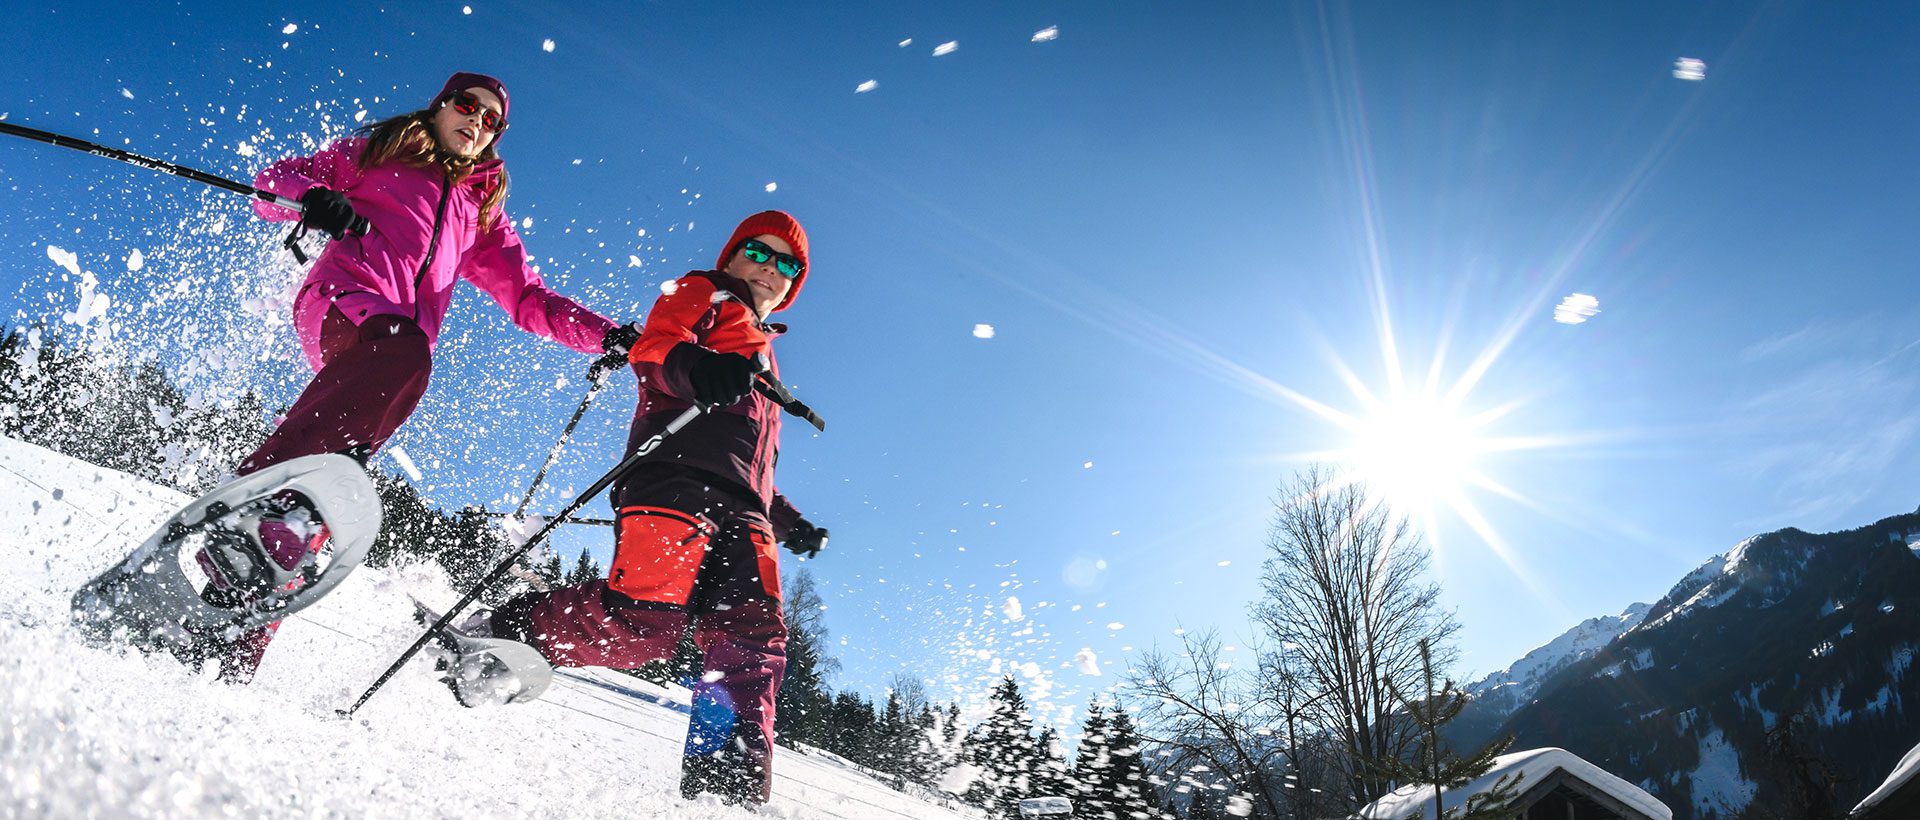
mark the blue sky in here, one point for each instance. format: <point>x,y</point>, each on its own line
<point>1172,218</point>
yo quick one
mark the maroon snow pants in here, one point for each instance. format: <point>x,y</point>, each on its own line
<point>692,549</point>
<point>372,376</point>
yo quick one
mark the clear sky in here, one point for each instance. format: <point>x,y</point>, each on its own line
<point>1192,230</point>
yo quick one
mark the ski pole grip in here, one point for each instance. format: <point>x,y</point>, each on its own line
<point>604,365</point>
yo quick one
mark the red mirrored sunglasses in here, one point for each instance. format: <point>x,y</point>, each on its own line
<point>465,104</point>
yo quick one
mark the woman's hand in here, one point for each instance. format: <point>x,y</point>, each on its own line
<point>329,212</point>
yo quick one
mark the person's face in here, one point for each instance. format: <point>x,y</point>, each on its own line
<point>764,278</point>
<point>466,134</point>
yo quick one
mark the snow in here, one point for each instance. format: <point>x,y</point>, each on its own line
<point>547,46</point>
<point>1516,684</point>
<point>1047,35</point>
<point>1012,608</point>
<point>1532,765</point>
<point>983,331</point>
<point>1902,773</point>
<point>1575,309</point>
<point>1717,783</point>
<point>405,461</point>
<point>946,48</point>
<point>136,260</point>
<point>1087,661</point>
<point>109,732</point>
<point>773,186</point>
<point>1690,69</point>
<point>866,86</point>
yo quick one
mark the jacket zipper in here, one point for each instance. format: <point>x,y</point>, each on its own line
<point>433,244</point>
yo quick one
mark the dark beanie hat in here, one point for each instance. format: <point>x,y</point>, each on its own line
<point>774,223</point>
<point>463,80</point>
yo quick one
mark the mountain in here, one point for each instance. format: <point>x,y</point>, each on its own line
<point>1762,677</point>
<point>1497,696</point>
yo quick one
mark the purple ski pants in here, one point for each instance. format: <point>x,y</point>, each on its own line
<point>371,377</point>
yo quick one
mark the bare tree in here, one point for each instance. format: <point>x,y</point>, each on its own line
<point>1345,591</point>
<point>1211,720</point>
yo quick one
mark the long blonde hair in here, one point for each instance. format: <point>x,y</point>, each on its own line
<point>409,138</point>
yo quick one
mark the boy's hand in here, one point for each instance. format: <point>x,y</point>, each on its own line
<point>805,539</point>
<point>722,379</point>
<point>621,338</point>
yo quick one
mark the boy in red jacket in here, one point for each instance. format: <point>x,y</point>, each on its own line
<point>698,519</point>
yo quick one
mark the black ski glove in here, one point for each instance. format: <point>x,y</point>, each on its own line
<point>805,539</point>
<point>722,379</point>
<point>621,339</point>
<point>329,212</point>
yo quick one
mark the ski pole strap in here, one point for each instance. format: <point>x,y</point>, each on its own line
<point>773,389</point>
<point>292,242</point>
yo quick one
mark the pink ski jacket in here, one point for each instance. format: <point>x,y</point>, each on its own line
<point>426,234</point>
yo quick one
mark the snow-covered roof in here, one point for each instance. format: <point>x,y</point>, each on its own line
<point>1534,766</point>
<point>1901,775</point>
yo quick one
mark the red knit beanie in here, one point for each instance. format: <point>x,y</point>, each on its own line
<point>773,223</point>
<point>463,80</point>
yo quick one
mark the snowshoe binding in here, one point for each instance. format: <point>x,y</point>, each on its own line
<point>482,670</point>
<point>237,559</point>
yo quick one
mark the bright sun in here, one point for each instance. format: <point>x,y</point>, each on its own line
<point>1414,452</point>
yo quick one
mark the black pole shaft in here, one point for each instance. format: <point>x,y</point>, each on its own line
<point>597,375</point>
<point>501,569</point>
<point>148,163</point>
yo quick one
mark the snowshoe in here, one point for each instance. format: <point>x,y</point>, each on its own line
<point>482,670</point>
<point>154,598</point>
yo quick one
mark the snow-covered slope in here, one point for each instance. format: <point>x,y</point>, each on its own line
<point>102,732</point>
<point>1512,687</point>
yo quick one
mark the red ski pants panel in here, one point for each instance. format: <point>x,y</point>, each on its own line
<point>658,554</point>
<point>372,377</point>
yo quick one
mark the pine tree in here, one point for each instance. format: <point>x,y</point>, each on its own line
<point>585,571</point>
<point>549,570</point>
<point>1435,765</point>
<point>1093,768</point>
<point>1129,792</point>
<point>803,708</point>
<point>1051,775</point>
<point>1002,747</point>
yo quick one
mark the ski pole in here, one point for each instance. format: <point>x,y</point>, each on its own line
<point>360,225</point>
<point>626,464</point>
<point>597,377</point>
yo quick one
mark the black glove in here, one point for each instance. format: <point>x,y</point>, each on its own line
<point>621,339</point>
<point>722,379</point>
<point>805,539</point>
<point>329,212</point>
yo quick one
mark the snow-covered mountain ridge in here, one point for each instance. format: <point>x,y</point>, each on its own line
<point>1510,688</point>
<point>90,732</point>
<point>1789,654</point>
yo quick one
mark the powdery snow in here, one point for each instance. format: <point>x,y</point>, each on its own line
<point>1902,773</point>
<point>1533,766</point>
<point>1717,782</point>
<point>110,732</point>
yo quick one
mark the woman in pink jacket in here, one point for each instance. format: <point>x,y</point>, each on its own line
<point>429,186</point>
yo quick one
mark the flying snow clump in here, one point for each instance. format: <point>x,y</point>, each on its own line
<point>405,461</point>
<point>1576,308</point>
<point>1012,608</point>
<point>126,92</point>
<point>773,186</point>
<point>983,331</point>
<point>1690,69</point>
<point>1088,662</point>
<point>291,28</point>
<point>64,258</point>
<point>946,48</point>
<point>1047,35</point>
<point>135,260</point>
<point>866,86</point>
<point>547,46</point>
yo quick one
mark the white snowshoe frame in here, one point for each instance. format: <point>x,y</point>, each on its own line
<point>483,670</point>
<point>149,599</point>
